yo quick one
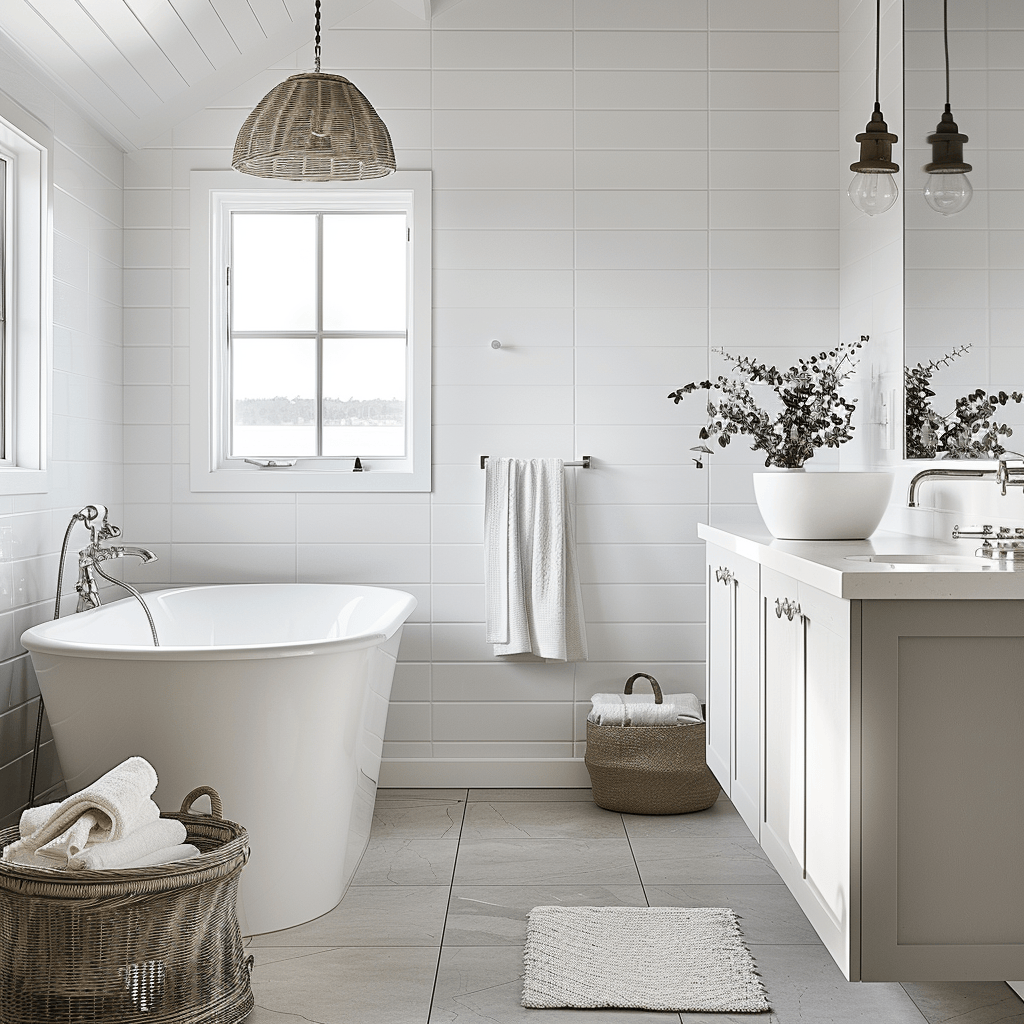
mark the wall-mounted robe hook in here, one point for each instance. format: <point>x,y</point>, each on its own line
<point>357,466</point>
<point>495,343</point>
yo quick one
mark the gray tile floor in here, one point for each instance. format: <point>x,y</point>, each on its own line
<point>433,926</point>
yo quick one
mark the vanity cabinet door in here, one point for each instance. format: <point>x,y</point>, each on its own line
<point>733,673</point>
<point>808,801</point>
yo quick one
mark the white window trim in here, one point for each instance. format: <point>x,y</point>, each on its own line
<point>213,195</point>
<point>27,145</point>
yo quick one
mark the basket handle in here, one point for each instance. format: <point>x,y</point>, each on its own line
<point>215,804</point>
<point>654,684</point>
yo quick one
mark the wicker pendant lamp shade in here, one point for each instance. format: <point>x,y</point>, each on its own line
<point>314,127</point>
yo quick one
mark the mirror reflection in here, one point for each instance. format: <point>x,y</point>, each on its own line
<point>964,241</point>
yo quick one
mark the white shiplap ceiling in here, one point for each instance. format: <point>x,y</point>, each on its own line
<point>138,67</point>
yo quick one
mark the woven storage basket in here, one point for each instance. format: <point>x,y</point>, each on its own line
<point>649,769</point>
<point>159,945</point>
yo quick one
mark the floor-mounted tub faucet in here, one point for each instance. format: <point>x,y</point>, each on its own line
<point>95,519</point>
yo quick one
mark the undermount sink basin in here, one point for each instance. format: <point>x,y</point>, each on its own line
<point>923,559</point>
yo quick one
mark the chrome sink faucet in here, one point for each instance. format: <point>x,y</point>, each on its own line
<point>1004,475</point>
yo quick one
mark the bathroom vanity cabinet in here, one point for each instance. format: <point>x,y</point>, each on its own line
<point>876,757</point>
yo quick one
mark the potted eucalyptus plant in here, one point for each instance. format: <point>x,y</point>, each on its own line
<point>809,411</point>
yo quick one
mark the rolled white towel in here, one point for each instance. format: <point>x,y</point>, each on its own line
<point>143,842</point>
<point>686,706</point>
<point>186,851</point>
<point>33,818</point>
<point>635,714</point>
<point>120,802</point>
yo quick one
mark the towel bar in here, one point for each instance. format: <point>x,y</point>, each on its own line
<point>584,462</point>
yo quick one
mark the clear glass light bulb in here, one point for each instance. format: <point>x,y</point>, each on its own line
<point>873,193</point>
<point>947,193</point>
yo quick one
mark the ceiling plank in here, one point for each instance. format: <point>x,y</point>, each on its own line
<point>163,22</point>
<point>143,52</point>
<point>238,19</point>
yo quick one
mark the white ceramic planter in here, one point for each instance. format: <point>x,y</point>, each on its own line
<point>807,505</point>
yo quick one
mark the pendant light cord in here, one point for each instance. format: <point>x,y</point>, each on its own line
<point>945,41</point>
<point>878,44</point>
<point>316,50</point>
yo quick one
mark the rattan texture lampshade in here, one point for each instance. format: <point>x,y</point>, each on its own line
<point>314,127</point>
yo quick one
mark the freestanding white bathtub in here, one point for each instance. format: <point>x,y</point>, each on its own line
<point>274,694</point>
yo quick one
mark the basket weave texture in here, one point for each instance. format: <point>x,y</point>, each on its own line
<point>649,769</point>
<point>159,945</point>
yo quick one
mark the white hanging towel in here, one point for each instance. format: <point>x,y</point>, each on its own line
<point>532,594</point>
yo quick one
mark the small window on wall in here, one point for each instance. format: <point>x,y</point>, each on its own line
<point>25,305</point>
<point>311,334</point>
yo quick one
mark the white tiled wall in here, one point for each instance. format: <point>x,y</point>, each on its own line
<point>86,463</point>
<point>572,144</point>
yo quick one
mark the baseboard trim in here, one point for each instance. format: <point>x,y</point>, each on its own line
<point>463,773</point>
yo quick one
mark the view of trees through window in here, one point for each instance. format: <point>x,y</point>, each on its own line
<point>318,334</point>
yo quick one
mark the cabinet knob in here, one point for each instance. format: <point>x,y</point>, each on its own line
<point>791,609</point>
<point>724,575</point>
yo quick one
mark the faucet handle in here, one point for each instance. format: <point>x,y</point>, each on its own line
<point>105,530</point>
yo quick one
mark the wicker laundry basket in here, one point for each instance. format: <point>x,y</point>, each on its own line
<point>649,769</point>
<point>159,945</point>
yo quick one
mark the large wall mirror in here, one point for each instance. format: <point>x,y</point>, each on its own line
<point>964,273</point>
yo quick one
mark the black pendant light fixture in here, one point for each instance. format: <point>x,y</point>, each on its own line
<point>873,189</point>
<point>314,127</point>
<point>947,190</point>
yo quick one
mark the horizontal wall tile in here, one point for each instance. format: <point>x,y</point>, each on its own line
<point>362,563</point>
<point>609,641</point>
<point>503,751</point>
<point>641,250</point>
<point>524,90</point>
<point>232,563</point>
<point>228,524</point>
<point>610,677</point>
<point>502,721</point>
<point>638,364</point>
<point>774,51</point>
<point>505,48</point>
<point>663,169</point>
<point>503,682</point>
<point>774,249</point>
<point>416,643</point>
<point>515,328</point>
<point>533,250</point>
<point>641,288</point>
<point>358,48</point>
<point>766,130</point>
<point>774,90</point>
<point>644,602</point>
<point>639,523</point>
<point>342,522</point>
<point>659,129</point>
<point>455,445</point>
<point>503,208</point>
<point>641,50</point>
<point>407,723</point>
<point>457,524</point>
<point>147,403</point>
<point>503,287</point>
<point>411,683</point>
<point>637,210</point>
<point>518,404</point>
<point>644,326</point>
<point>458,602</point>
<point>457,563</point>
<point>502,129</point>
<point>535,14</point>
<point>641,14</point>
<point>774,289</point>
<point>641,90</point>
<point>641,563</point>
<point>638,406</point>
<point>504,169</point>
<point>511,364</point>
<point>751,209</point>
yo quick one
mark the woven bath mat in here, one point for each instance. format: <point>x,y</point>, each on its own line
<point>643,958</point>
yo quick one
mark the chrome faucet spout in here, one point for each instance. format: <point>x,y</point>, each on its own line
<point>946,474</point>
<point>123,551</point>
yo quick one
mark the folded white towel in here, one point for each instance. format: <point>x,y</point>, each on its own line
<point>685,705</point>
<point>184,852</point>
<point>33,818</point>
<point>119,801</point>
<point>532,595</point>
<point>143,842</point>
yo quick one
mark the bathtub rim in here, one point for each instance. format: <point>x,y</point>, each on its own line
<point>36,639</point>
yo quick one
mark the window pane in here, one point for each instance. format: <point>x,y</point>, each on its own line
<point>273,272</point>
<point>273,391</point>
<point>364,396</point>
<point>364,272</point>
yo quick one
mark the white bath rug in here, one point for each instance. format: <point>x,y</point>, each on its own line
<point>645,958</point>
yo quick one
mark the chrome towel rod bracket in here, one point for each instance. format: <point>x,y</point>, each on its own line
<point>584,462</point>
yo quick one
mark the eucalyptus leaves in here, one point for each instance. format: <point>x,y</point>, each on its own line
<point>969,431</point>
<point>813,413</point>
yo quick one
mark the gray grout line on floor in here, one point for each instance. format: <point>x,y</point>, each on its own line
<point>444,925</point>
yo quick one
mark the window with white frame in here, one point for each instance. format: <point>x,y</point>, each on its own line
<point>310,334</point>
<point>25,303</point>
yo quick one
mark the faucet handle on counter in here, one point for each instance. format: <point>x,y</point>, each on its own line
<point>985,531</point>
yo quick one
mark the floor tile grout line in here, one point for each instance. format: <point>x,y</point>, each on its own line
<point>635,864</point>
<point>447,907</point>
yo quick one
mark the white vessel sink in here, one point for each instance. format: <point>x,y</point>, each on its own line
<point>923,559</point>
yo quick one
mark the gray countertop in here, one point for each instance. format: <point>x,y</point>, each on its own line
<point>842,568</point>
